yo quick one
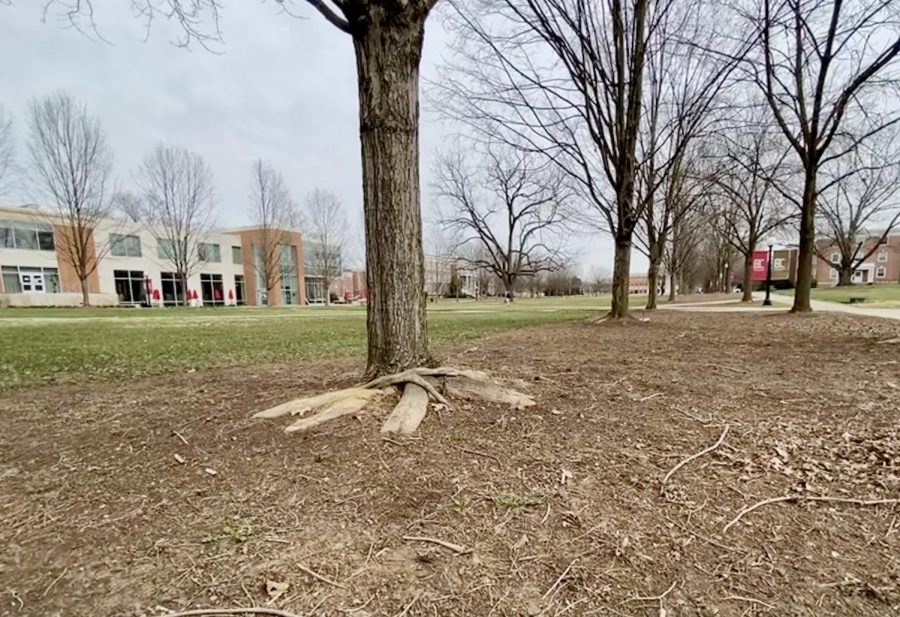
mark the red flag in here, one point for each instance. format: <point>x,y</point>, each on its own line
<point>759,265</point>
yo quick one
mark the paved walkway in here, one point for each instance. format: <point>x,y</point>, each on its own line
<point>780,304</point>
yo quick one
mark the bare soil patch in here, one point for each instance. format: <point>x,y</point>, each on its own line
<point>134,498</point>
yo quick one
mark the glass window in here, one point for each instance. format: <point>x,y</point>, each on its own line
<point>882,255</point>
<point>45,240</point>
<point>21,279</point>
<point>172,289</point>
<point>287,258</point>
<point>835,258</point>
<point>11,280</point>
<point>124,246</point>
<point>165,249</point>
<point>237,255</point>
<point>6,236</point>
<point>834,273</point>
<point>26,238</point>
<point>209,253</point>
<point>211,289</point>
<point>880,272</point>
<point>130,286</point>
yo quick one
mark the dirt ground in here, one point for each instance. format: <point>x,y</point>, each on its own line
<point>559,509</point>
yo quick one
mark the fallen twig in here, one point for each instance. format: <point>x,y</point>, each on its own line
<point>456,548</point>
<point>559,579</point>
<point>479,453</point>
<point>318,576</point>
<point>660,597</point>
<point>181,437</point>
<point>765,502</point>
<point>696,456</point>
<point>751,600</point>
<point>233,611</point>
<point>407,607</point>
<point>56,580</point>
<point>649,397</point>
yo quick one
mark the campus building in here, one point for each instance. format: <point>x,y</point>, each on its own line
<point>882,266</point>
<point>133,267</point>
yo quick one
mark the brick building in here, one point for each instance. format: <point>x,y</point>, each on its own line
<point>882,266</point>
<point>133,268</point>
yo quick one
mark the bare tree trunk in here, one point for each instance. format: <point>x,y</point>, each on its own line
<point>387,58</point>
<point>85,292</point>
<point>672,286</point>
<point>747,295</point>
<point>185,294</point>
<point>846,276</point>
<point>652,284</point>
<point>802,292</point>
<point>621,266</point>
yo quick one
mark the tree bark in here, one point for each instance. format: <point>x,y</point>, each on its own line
<point>85,292</point>
<point>845,279</point>
<point>747,295</point>
<point>672,286</point>
<point>803,286</point>
<point>621,266</point>
<point>652,284</point>
<point>185,294</point>
<point>388,51</point>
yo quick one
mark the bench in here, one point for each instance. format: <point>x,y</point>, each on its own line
<point>857,299</point>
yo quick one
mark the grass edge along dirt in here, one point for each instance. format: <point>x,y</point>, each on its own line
<point>71,346</point>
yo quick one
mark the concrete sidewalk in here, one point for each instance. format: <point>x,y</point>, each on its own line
<point>780,304</point>
<point>833,307</point>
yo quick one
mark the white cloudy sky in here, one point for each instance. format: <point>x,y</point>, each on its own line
<point>282,88</point>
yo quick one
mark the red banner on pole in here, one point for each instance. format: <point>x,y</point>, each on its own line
<point>759,265</point>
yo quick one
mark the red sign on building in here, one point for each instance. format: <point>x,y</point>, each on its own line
<point>759,265</point>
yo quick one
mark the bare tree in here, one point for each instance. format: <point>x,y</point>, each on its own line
<point>689,232</point>
<point>509,203</point>
<point>128,205</point>
<point>274,214</point>
<point>7,149</point>
<point>71,165</point>
<point>750,163</point>
<point>863,196</point>
<point>824,66</point>
<point>684,87</point>
<point>581,106</point>
<point>387,39</point>
<point>328,234</point>
<point>177,201</point>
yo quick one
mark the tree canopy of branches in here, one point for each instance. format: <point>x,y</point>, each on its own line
<point>509,203</point>
<point>862,198</point>
<point>177,201</point>
<point>387,38</point>
<point>749,162</point>
<point>684,88</point>
<point>7,149</point>
<point>71,165</point>
<point>565,78</point>
<point>274,214</point>
<point>327,236</point>
<point>828,72</point>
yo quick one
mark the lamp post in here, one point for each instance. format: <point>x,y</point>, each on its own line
<point>768,300</point>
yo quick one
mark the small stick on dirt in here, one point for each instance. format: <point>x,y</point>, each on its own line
<point>784,498</point>
<point>456,548</point>
<point>319,577</point>
<point>479,453</point>
<point>181,437</point>
<point>751,600</point>
<point>407,607</point>
<point>649,398</point>
<point>696,456</point>
<point>558,580</point>
<point>56,580</point>
<point>233,611</point>
<point>660,597</point>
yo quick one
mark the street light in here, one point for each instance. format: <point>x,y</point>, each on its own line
<point>768,300</point>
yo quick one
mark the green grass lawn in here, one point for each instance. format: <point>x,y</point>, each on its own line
<point>44,346</point>
<point>881,296</point>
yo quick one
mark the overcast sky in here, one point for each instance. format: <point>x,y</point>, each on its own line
<point>282,88</point>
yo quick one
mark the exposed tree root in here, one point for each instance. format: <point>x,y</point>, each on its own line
<point>419,386</point>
